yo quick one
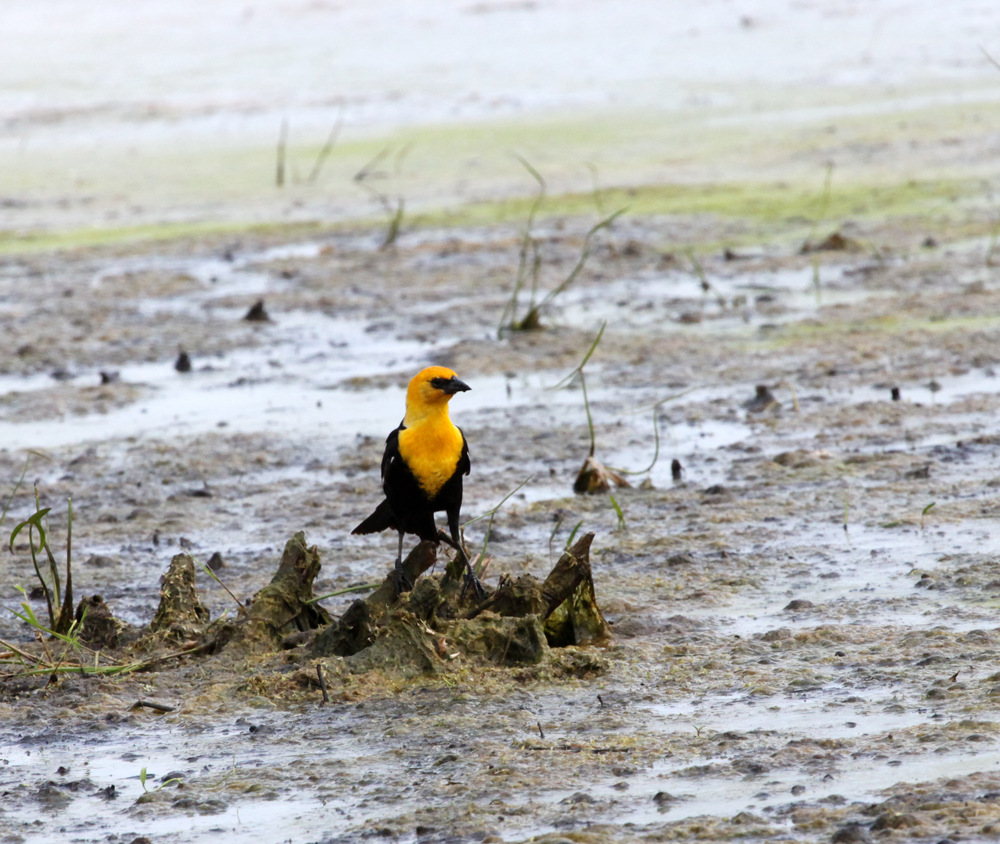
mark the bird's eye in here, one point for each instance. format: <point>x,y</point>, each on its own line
<point>439,383</point>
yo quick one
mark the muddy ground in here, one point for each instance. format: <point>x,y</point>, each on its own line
<point>801,649</point>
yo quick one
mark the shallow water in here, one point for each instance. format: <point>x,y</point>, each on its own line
<point>739,301</point>
<point>859,781</point>
<point>168,748</point>
<point>328,741</point>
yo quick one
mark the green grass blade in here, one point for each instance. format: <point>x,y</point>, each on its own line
<point>502,502</point>
<point>363,587</point>
<point>586,357</point>
<point>618,510</point>
<point>35,520</point>
<point>572,534</point>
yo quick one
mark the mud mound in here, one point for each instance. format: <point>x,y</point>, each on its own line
<point>435,629</point>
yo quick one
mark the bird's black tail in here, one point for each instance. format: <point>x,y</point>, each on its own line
<point>381,519</point>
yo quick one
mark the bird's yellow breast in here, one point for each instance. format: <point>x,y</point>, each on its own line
<point>431,450</point>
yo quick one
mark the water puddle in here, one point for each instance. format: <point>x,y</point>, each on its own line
<point>868,575</point>
<point>838,711</point>
<point>248,389</point>
<point>735,302</point>
<point>224,276</point>
<point>822,715</point>
<point>219,763</point>
<point>853,779</point>
<point>941,389</point>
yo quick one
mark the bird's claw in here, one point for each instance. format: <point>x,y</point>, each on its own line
<point>400,582</point>
<point>478,589</point>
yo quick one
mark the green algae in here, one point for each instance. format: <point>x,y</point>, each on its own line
<point>12,243</point>
<point>767,208</point>
<point>775,203</point>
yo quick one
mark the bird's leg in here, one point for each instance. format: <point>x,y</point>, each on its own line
<point>455,542</point>
<point>401,581</point>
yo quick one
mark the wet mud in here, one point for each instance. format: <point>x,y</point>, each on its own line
<point>801,646</point>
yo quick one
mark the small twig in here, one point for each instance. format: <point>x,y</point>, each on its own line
<point>322,683</point>
<point>53,568</point>
<point>990,58</point>
<point>492,511</point>
<point>509,317</point>
<point>586,406</point>
<point>197,649</point>
<point>541,732</point>
<point>327,147</point>
<point>656,449</point>
<point>664,400</point>
<point>150,704</point>
<point>572,534</point>
<point>595,192</point>
<point>395,215</point>
<point>795,398</point>
<point>66,616</point>
<point>586,357</point>
<point>110,670</point>
<point>279,173</point>
<point>583,385</point>
<point>824,203</point>
<point>38,571</point>
<point>19,652</point>
<point>362,587</point>
<point>618,511</point>
<point>369,168</point>
<point>395,223</point>
<point>706,286</point>
<point>606,223</point>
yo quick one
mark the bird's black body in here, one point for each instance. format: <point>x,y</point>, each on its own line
<point>407,508</point>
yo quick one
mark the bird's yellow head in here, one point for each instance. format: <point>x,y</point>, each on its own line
<point>432,388</point>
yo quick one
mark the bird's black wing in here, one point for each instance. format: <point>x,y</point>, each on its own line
<point>384,517</point>
<point>464,464</point>
<point>391,451</point>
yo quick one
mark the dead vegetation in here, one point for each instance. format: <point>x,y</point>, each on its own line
<point>433,630</point>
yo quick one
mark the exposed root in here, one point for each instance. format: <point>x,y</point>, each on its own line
<point>595,477</point>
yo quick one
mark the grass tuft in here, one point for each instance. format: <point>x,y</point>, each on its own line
<point>371,172</point>
<point>532,320</point>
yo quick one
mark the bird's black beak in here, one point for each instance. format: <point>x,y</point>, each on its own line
<point>453,385</point>
<point>449,386</point>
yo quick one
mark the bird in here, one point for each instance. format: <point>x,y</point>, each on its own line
<point>423,464</point>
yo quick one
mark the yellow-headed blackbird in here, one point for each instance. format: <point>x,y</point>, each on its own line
<point>422,468</point>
